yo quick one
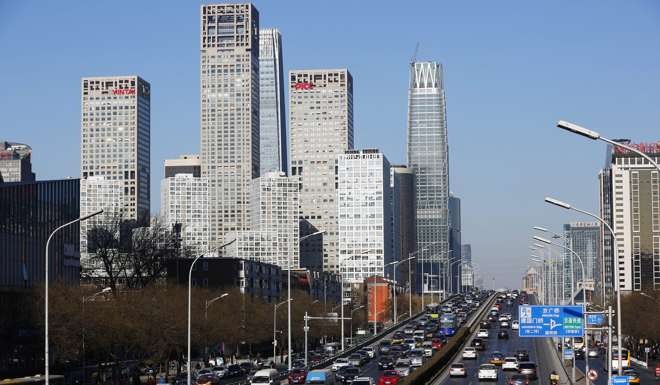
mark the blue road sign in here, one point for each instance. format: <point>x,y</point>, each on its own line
<point>551,321</point>
<point>620,380</point>
<point>596,320</point>
<point>568,354</point>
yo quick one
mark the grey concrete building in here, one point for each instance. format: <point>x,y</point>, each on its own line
<point>184,164</point>
<point>229,72</point>
<point>584,239</point>
<point>15,162</point>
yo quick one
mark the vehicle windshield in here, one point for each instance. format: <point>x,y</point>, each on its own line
<point>361,382</point>
<point>390,373</point>
<point>527,365</point>
<point>457,366</point>
<point>261,379</point>
<point>401,365</point>
<point>351,371</point>
<point>487,367</point>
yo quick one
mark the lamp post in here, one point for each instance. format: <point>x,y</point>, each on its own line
<point>353,311</point>
<point>395,263</point>
<point>46,279</point>
<point>192,265</point>
<point>567,206</point>
<point>275,328</point>
<point>288,290</point>
<point>85,299</point>
<point>341,284</point>
<point>208,303</point>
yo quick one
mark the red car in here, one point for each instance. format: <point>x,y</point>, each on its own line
<point>297,376</point>
<point>657,371</point>
<point>436,344</point>
<point>389,377</point>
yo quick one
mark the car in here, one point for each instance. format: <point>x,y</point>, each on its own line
<point>428,349</point>
<point>496,358</point>
<point>504,324</point>
<point>364,381</point>
<point>402,367</point>
<point>518,379</point>
<point>436,343</point>
<point>416,357</point>
<point>234,371</point>
<point>208,379</point>
<point>482,333</point>
<point>385,362</point>
<point>339,363</point>
<point>410,342</point>
<point>515,325</point>
<point>522,355</point>
<point>503,334</point>
<point>204,372</point>
<point>371,352</point>
<point>356,359</point>
<point>484,324</point>
<point>478,344</point>
<point>457,370</point>
<point>528,368</point>
<point>298,364</point>
<point>297,376</point>
<point>510,363</point>
<point>492,318</point>
<point>593,353</point>
<point>469,353</point>
<point>633,376</point>
<point>503,317</point>
<point>265,377</point>
<point>347,374</point>
<point>219,371</point>
<point>384,346</point>
<point>408,330</point>
<point>364,354</point>
<point>389,377</point>
<point>579,354</point>
<point>487,372</point>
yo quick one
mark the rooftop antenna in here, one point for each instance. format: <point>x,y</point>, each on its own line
<point>414,56</point>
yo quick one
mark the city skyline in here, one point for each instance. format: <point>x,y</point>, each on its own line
<point>552,177</point>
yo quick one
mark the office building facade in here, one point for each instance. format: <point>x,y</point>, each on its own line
<point>115,138</point>
<point>272,118</point>
<point>365,215</point>
<point>15,162</point>
<point>429,159</point>
<point>630,200</point>
<point>584,239</point>
<point>466,253</point>
<point>321,126</point>
<point>184,201</point>
<point>184,164</point>
<point>29,212</point>
<point>402,184</point>
<point>229,71</point>
<point>454,263</point>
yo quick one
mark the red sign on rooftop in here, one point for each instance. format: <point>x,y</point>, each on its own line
<point>123,91</point>
<point>647,148</point>
<point>303,86</point>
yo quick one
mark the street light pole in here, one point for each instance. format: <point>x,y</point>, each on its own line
<point>46,279</point>
<point>192,265</point>
<point>85,299</point>
<point>353,311</point>
<point>275,328</point>
<point>208,303</point>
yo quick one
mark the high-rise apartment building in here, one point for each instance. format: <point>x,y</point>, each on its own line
<point>115,138</point>
<point>402,184</point>
<point>365,215</point>
<point>272,120</point>
<point>184,164</point>
<point>584,239</point>
<point>630,202</point>
<point>321,125</point>
<point>184,201</point>
<point>229,66</point>
<point>15,162</point>
<point>429,159</point>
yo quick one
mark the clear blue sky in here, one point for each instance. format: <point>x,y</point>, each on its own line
<point>512,68</point>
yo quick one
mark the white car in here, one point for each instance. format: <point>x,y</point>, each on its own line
<point>370,351</point>
<point>402,367</point>
<point>482,333</point>
<point>487,372</point>
<point>508,316</point>
<point>416,357</point>
<point>510,363</point>
<point>457,370</point>
<point>469,353</point>
<point>515,325</point>
<point>504,324</point>
<point>428,352</point>
<point>339,363</point>
<point>503,317</point>
<point>593,353</point>
<point>408,330</point>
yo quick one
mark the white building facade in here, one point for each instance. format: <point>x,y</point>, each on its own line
<point>229,72</point>
<point>365,215</point>
<point>184,200</point>
<point>321,125</point>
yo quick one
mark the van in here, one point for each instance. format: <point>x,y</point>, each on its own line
<point>319,377</point>
<point>265,377</point>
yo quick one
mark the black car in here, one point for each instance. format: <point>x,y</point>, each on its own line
<point>234,371</point>
<point>479,344</point>
<point>579,354</point>
<point>385,346</point>
<point>247,367</point>
<point>385,363</point>
<point>347,374</point>
<point>503,334</point>
<point>522,355</point>
<point>484,325</point>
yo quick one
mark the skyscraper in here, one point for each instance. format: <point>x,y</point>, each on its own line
<point>229,66</point>
<point>15,162</point>
<point>466,253</point>
<point>429,159</point>
<point>321,125</point>
<point>631,187</point>
<point>115,139</point>
<point>454,263</point>
<point>402,183</point>
<point>584,239</point>
<point>272,121</point>
<point>365,215</point>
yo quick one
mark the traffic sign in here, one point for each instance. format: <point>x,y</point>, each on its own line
<point>620,380</point>
<point>568,354</point>
<point>592,374</point>
<point>551,321</point>
<point>596,320</point>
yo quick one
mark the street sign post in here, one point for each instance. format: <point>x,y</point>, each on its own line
<point>596,320</point>
<point>551,321</point>
<point>568,354</point>
<point>620,380</point>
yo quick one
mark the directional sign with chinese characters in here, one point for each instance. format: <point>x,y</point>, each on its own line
<point>551,321</point>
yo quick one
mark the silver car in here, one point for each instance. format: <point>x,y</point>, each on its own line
<point>402,367</point>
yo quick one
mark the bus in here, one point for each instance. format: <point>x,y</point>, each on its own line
<point>625,359</point>
<point>448,324</point>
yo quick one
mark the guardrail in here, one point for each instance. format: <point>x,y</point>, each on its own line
<point>434,367</point>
